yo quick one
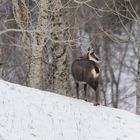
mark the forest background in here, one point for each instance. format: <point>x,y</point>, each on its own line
<point>39,39</point>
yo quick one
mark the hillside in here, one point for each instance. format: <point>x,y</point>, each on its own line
<point>31,114</point>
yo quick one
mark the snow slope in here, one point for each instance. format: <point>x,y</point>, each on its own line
<point>31,114</point>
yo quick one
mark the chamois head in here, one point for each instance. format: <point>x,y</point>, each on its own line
<point>92,56</point>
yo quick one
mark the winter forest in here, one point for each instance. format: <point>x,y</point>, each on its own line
<point>39,40</point>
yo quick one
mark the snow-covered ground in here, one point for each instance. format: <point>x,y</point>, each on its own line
<point>31,114</point>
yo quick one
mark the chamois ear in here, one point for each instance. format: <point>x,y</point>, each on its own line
<point>91,50</point>
<point>88,49</point>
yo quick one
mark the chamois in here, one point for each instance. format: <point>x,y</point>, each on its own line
<point>85,70</point>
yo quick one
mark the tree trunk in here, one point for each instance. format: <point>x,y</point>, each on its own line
<point>59,48</point>
<point>138,84</point>
<point>21,13</point>
<point>34,51</point>
<point>35,73</point>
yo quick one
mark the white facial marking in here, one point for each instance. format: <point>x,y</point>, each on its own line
<point>93,59</point>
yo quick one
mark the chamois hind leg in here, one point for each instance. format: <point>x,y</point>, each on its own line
<point>77,89</point>
<point>85,92</point>
<point>94,85</point>
<point>97,97</point>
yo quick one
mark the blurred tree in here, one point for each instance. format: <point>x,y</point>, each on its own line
<point>21,15</point>
<point>138,83</point>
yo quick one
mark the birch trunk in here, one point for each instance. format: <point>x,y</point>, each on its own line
<point>59,49</point>
<point>33,52</point>
<point>35,73</point>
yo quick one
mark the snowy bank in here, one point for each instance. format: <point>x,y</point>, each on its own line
<point>31,114</point>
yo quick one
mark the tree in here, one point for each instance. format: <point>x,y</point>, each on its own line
<point>47,35</point>
<point>21,15</point>
<point>38,38</point>
<point>33,40</point>
<point>59,49</point>
<point>138,79</point>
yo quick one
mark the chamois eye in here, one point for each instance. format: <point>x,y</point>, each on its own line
<point>96,58</point>
<point>92,54</point>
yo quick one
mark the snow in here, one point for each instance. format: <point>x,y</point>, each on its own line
<point>31,114</point>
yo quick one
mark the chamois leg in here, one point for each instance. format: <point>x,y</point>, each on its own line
<point>94,85</point>
<point>97,97</point>
<point>85,92</point>
<point>77,90</point>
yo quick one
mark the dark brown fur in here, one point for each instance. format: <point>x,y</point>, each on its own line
<point>81,71</point>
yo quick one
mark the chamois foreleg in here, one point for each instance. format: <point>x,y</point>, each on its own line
<point>94,85</point>
<point>77,89</point>
<point>97,97</point>
<point>85,92</point>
